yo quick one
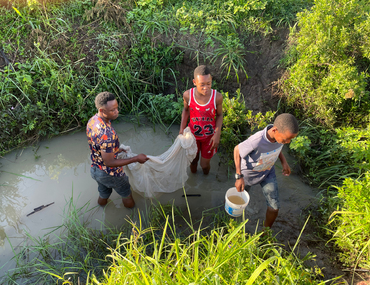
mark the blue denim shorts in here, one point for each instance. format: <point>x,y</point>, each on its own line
<point>107,182</point>
<point>270,191</point>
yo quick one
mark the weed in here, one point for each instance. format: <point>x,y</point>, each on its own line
<point>232,55</point>
<point>352,233</point>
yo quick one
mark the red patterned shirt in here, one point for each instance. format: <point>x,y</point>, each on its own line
<point>202,117</point>
<point>102,137</point>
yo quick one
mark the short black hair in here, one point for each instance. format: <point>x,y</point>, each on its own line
<point>201,70</point>
<point>102,98</point>
<point>286,122</point>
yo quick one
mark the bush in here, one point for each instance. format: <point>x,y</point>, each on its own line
<point>330,156</point>
<point>352,235</point>
<point>329,79</point>
<point>239,123</point>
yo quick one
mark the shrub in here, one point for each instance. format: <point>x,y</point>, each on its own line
<point>239,123</point>
<point>329,79</point>
<point>330,156</point>
<point>352,235</point>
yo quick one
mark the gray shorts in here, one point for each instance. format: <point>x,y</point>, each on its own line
<point>270,191</point>
<point>106,182</point>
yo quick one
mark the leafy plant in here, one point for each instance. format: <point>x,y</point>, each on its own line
<point>161,109</point>
<point>352,234</point>
<point>238,123</point>
<point>232,55</point>
<point>202,257</point>
<point>330,156</point>
<point>329,80</point>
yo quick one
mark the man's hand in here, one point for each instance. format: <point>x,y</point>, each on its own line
<point>142,158</point>
<point>120,150</point>
<point>239,185</point>
<point>286,169</point>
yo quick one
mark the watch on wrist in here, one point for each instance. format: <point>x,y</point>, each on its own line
<point>238,176</point>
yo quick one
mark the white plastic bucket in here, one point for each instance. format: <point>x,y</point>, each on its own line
<point>235,210</point>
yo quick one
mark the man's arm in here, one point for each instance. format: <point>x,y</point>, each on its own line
<point>215,140</point>
<point>284,163</point>
<point>110,161</point>
<point>239,183</point>
<point>185,112</point>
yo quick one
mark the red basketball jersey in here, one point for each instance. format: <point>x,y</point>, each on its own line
<point>202,117</point>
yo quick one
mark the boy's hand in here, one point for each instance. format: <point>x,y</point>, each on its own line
<point>239,185</point>
<point>286,169</point>
<point>215,141</point>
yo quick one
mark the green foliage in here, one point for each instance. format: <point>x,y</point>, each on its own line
<point>216,17</point>
<point>329,80</point>
<point>238,123</point>
<point>352,235</point>
<point>232,54</point>
<point>222,256</point>
<point>301,145</point>
<point>329,156</point>
<point>162,109</point>
<point>46,103</point>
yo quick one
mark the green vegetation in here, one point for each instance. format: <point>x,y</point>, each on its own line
<point>157,254</point>
<point>351,222</point>
<point>328,79</point>
<point>233,131</point>
<point>63,54</point>
<point>327,86</point>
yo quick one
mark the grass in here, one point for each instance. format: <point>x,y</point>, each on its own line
<point>62,53</point>
<point>152,250</point>
<point>71,251</point>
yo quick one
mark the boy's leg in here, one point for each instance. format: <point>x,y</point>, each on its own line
<point>194,163</point>
<point>271,193</point>
<point>206,153</point>
<point>205,164</point>
<point>104,191</point>
<point>271,215</point>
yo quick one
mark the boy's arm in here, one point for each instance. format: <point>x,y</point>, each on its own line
<point>284,163</point>
<point>185,112</point>
<point>239,183</point>
<point>215,140</point>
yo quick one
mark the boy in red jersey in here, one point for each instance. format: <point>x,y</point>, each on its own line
<point>204,107</point>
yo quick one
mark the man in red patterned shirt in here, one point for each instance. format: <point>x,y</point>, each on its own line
<point>104,144</point>
<point>204,107</point>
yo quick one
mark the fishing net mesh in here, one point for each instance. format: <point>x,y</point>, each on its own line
<point>165,173</point>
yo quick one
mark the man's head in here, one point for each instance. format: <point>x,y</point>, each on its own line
<point>285,128</point>
<point>107,105</point>
<point>202,79</point>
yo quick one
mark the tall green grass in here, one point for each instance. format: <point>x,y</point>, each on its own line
<point>155,251</point>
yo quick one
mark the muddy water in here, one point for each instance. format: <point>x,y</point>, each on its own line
<point>60,169</point>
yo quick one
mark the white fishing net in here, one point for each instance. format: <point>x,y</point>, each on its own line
<point>165,173</point>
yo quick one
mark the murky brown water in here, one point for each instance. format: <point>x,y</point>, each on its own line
<point>62,169</point>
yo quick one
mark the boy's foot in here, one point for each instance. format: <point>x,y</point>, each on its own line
<point>128,202</point>
<point>206,170</point>
<point>193,168</point>
<point>102,202</point>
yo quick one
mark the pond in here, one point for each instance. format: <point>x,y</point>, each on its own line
<point>59,169</point>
